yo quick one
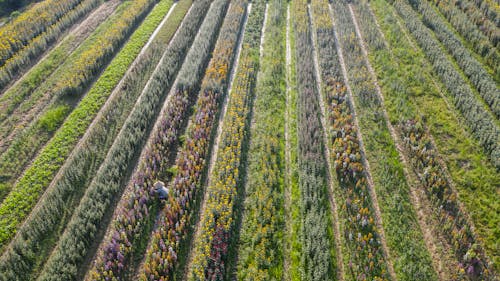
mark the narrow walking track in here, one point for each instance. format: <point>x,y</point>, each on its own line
<point>429,238</point>
<point>288,181</point>
<point>361,144</point>
<point>215,146</point>
<point>326,144</point>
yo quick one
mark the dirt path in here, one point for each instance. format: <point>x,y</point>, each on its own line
<point>327,152</point>
<point>78,32</point>
<point>429,237</point>
<point>82,142</point>
<point>215,147</point>
<point>365,161</point>
<point>288,176</point>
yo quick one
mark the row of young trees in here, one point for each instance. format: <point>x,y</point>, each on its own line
<point>261,245</point>
<point>79,235</point>
<point>365,256</point>
<point>423,156</point>
<point>218,227</point>
<point>136,213</point>
<point>168,250</point>
<point>29,35</point>
<point>318,255</point>
<point>26,190</point>
<point>472,33</point>
<point>64,193</point>
<point>481,123</point>
<point>474,70</point>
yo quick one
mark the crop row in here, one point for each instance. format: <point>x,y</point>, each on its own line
<point>423,156</point>
<point>66,190</point>
<point>406,248</point>
<point>22,139</point>
<point>261,249</point>
<point>478,12</point>
<point>82,231</point>
<point>410,93</point>
<point>366,260</point>
<point>27,190</point>
<point>41,24</point>
<point>469,31</point>
<point>169,240</point>
<point>135,213</point>
<point>318,255</point>
<point>477,118</point>
<point>212,248</point>
<point>476,73</point>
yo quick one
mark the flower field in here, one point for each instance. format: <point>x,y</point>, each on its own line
<point>250,140</point>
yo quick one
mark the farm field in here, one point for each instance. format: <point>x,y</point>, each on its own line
<point>250,140</point>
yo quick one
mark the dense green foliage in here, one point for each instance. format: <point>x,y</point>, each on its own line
<point>18,155</point>
<point>472,34</point>
<point>423,155</point>
<point>476,72</point>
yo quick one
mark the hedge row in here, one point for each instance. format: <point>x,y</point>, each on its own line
<point>400,86</point>
<point>80,234</point>
<point>69,83</point>
<point>23,143</point>
<point>472,33</point>
<point>167,253</point>
<point>65,192</point>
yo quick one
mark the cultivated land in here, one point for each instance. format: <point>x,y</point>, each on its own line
<point>250,140</point>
